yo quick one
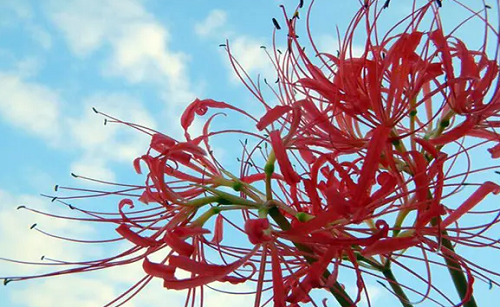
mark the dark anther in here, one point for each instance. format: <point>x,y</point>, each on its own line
<point>43,257</point>
<point>238,159</point>
<point>56,187</point>
<point>265,80</point>
<point>6,281</point>
<point>386,4</point>
<point>222,45</point>
<point>279,51</point>
<point>74,175</point>
<point>276,24</point>
<point>105,121</point>
<point>262,47</point>
<point>301,3</point>
<point>246,142</point>
<point>296,15</point>
<point>497,172</point>
<point>488,7</point>
<point>33,226</point>
<point>277,80</point>
<point>71,207</point>
<point>382,284</point>
<point>439,3</point>
<point>53,199</point>
<point>95,110</point>
<point>21,207</point>
<point>490,284</point>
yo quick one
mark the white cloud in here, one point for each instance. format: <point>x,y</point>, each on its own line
<point>251,56</point>
<point>246,49</point>
<point>88,25</point>
<point>31,107</point>
<point>101,145</point>
<point>76,291</point>
<point>40,35</point>
<point>20,9</point>
<point>329,44</point>
<point>212,25</point>
<point>138,44</point>
<point>22,243</point>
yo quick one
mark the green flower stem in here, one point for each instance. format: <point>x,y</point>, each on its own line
<point>203,218</point>
<point>227,198</point>
<point>199,202</point>
<point>456,272</point>
<point>389,275</point>
<point>396,287</point>
<point>338,292</point>
<point>269,170</point>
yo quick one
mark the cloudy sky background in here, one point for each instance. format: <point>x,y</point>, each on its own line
<point>142,61</point>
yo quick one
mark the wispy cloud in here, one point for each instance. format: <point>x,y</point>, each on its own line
<point>29,106</point>
<point>212,25</point>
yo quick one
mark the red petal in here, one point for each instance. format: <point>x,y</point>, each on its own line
<point>260,176</point>
<point>158,270</point>
<point>254,228</point>
<point>427,146</point>
<point>455,133</point>
<point>278,288</point>
<point>272,115</point>
<point>137,165</point>
<point>218,229</point>
<point>495,151</point>
<point>210,272</point>
<point>133,237</point>
<point>183,232</point>
<point>389,245</point>
<point>476,197</point>
<point>291,177</point>
<point>371,161</point>
<point>178,245</point>
<point>200,107</point>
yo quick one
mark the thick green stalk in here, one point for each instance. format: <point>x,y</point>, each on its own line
<point>456,273</point>
<point>389,275</point>
<point>338,292</point>
<point>454,268</point>
<point>396,287</point>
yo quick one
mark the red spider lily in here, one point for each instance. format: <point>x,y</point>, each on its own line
<point>371,151</point>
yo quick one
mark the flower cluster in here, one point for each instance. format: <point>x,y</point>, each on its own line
<point>364,167</point>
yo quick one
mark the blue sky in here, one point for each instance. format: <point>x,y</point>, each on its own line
<point>139,60</point>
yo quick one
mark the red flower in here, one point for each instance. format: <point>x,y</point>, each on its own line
<point>374,160</point>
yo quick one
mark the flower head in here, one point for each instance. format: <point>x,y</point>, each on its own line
<point>359,168</point>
